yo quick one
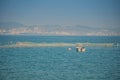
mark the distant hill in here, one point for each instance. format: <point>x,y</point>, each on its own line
<point>15,28</point>
<point>9,25</point>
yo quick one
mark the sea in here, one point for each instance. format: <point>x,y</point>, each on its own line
<point>48,58</point>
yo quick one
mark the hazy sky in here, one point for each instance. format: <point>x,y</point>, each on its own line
<point>96,13</point>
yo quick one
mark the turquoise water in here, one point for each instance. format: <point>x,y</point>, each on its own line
<point>57,63</point>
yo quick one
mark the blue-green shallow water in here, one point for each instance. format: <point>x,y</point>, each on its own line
<point>57,63</point>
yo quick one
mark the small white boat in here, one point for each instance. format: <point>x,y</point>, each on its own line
<point>69,49</point>
<point>80,49</point>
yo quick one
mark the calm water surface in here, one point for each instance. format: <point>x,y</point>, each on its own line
<point>57,63</point>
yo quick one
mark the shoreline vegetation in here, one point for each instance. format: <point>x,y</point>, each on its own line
<point>32,44</point>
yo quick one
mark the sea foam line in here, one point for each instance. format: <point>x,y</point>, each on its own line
<point>31,44</point>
